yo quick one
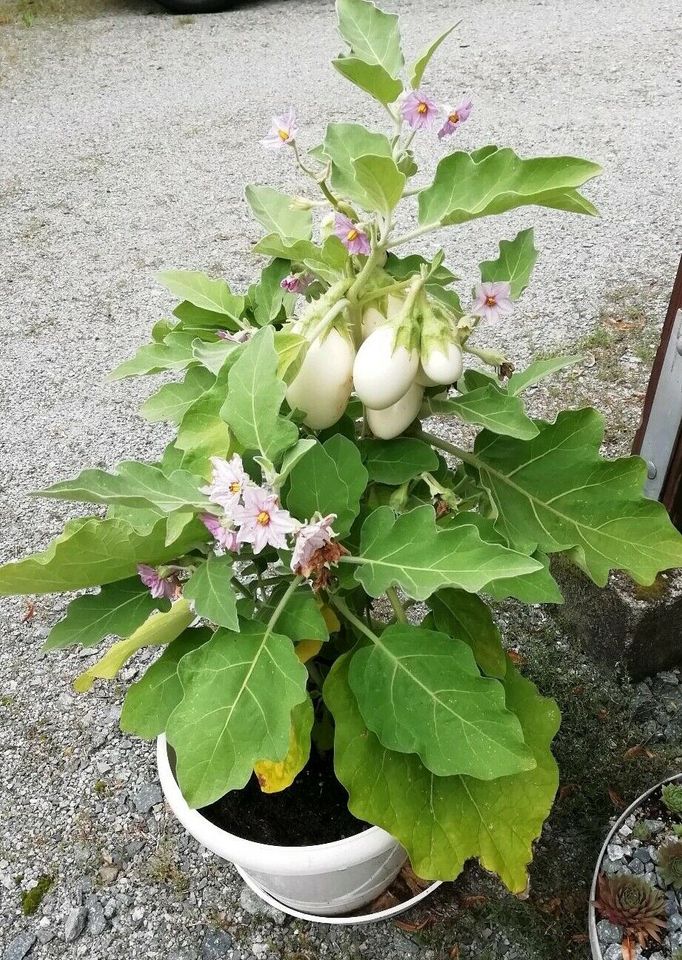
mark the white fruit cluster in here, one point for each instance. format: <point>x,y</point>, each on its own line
<point>389,379</point>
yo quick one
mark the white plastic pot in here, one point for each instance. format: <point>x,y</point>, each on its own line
<point>326,880</point>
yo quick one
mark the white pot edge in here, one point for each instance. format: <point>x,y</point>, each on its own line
<point>250,855</point>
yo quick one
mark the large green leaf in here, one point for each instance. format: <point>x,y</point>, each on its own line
<point>134,485</point>
<point>238,693</point>
<point>467,186</point>
<point>421,692</point>
<point>203,433</point>
<point>275,212</point>
<point>344,143</point>
<point>330,478</point>
<point>537,371</point>
<point>556,493</point>
<point>202,291</point>
<point>150,701</point>
<point>274,776</point>
<point>255,397</point>
<point>172,400</point>
<point>196,319</point>
<point>175,353</point>
<point>488,407</point>
<point>117,610</point>
<point>466,616</point>
<point>370,77</point>
<point>396,461</point>
<point>327,262</point>
<point>381,181</point>
<point>514,264</point>
<point>211,591</point>
<point>412,553</point>
<point>443,821</point>
<point>420,65</point>
<point>90,552</point>
<point>268,296</point>
<point>302,617</point>
<point>216,356</point>
<point>371,34</point>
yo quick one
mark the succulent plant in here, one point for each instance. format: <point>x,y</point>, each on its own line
<point>670,863</point>
<point>671,794</point>
<point>633,904</point>
<point>641,831</point>
<point>677,830</point>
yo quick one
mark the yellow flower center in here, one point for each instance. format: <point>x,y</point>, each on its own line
<point>283,134</point>
<point>422,108</point>
<point>454,117</point>
<point>235,487</point>
<point>352,234</point>
<point>263,518</point>
<point>490,301</point>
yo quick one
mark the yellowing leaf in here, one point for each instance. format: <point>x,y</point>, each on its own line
<point>307,649</point>
<point>330,618</point>
<point>276,776</point>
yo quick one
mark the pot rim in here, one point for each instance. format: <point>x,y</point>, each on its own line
<point>285,860</point>
<point>591,912</point>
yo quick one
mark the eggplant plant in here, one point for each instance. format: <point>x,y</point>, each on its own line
<point>301,487</point>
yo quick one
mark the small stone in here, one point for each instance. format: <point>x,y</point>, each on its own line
<point>75,923</point>
<point>675,922</point>
<point>609,933</point>
<point>259,950</point>
<point>625,831</point>
<point>668,678</point>
<point>642,853</point>
<point>97,922</point>
<point>216,946</point>
<point>137,916</point>
<point>636,866</point>
<point>254,906</point>
<point>654,826</point>
<point>108,873</point>
<point>20,947</point>
<point>110,908</point>
<point>615,851</point>
<point>148,795</point>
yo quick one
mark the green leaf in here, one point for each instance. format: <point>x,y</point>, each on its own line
<point>212,593</point>
<point>344,143</point>
<point>117,610</point>
<point>467,617</point>
<point>537,371</point>
<point>176,524</point>
<point>158,630</point>
<point>90,552</point>
<point>193,318</point>
<point>203,433</point>
<point>421,692</point>
<point>420,65</point>
<point>134,485</point>
<point>302,617</point>
<point>150,701</point>
<point>327,262</point>
<point>467,186</point>
<point>274,776</point>
<point>371,34</point>
<point>170,402</point>
<point>402,268</point>
<point>487,407</point>
<point>202,291</point>
<point>238,693</point>
<point>556,493</point>
<point>370,77</point>
<point>293,455</point>
<point>268,296</point>
<point>444,821</point>
<point>514,264</point>
<point>381,180</point>
<point>329,479</point>
<point>396,461</point>
<point>412,553</point>
<point>216,356</point>
<point>255,397</point>
<point>175,353</point>
<point>273,210</point>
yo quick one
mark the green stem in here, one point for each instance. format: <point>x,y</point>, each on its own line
<point>464,455</point>
<point>328,319</point>
<point>398,609</point>
<point>382,291</point>
<point>348,614</point>
<point>286,596</point>
<point>412,235</point>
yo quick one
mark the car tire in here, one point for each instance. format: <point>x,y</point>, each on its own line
<point>196,6</point>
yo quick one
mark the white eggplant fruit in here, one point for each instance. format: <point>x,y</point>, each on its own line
<point>382,373</point>
<point>391,422</point>
<point>323,385</point>
<point>443,366</point>
<point>372,319</point>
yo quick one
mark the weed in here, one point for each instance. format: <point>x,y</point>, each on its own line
<point>31,899</point>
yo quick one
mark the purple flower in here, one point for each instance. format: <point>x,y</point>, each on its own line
<point>228,482</point>
<point>167,586</point>
<point>295,283</point>
<point>456,117</point>
<point>222,530</point>
<point>283,131</point>
<point>262,521</point>
<point>419,110</point>
<point>309,539</point>
<point>350,234</point>
<point>493,300</point>
<point>240,337</point>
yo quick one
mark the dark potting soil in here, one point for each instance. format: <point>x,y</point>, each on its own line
<point>314,809</point>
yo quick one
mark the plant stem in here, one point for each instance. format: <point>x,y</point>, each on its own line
<point>398,608</point>
<point>348,614</point>
<point>373,259</point>
<point>382,291</point>
<point>448,447</point>
<point>412,235</point>
<point>286,596</point>
<point>328,319</point>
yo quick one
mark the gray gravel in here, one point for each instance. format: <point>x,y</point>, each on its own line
<point>128,139</point>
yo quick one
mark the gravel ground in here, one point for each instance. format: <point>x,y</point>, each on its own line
<point>128,138</point>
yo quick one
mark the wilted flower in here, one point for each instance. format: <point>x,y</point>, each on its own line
<point>455,117</point>
<point>283,131</point>
<point>240,337</point>
<point>228,482</point>
<point>309,539</point>
<point>419,110</point>
<point>262,521</point>
<point>222,530</point>
<point>295,283</point>
<point>159,586</point>
<point>493,300</point>
<point>350,234</point>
